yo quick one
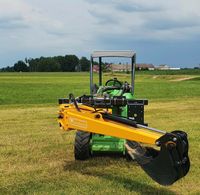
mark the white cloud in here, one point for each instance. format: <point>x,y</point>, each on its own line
<point>153,19</point>
<point>51,27</point>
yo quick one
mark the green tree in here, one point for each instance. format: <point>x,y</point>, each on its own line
<point>61,60</point>
<point>20,66</point>
<point>84,64</point>
<point>33,64</point>
<point>71,62</point>
<point>48,65</point>
<point>7,69</point>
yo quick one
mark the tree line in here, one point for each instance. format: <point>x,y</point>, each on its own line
<point>67,63</point>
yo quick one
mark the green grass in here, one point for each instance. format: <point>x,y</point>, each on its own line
<point>37,158</point>
<point>43,88</point>
<point>172,72</point>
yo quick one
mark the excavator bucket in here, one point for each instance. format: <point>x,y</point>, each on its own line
<point>167,165</point>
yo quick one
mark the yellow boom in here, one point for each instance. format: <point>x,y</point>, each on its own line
<point>90,121</point>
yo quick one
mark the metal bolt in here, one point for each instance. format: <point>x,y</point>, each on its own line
<point>97,116</point>
<point>174,139</point>
<point>158,143</point>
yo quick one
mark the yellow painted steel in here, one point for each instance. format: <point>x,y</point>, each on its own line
<point>90,121</point>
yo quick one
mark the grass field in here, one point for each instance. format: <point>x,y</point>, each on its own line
<point>36,157</point>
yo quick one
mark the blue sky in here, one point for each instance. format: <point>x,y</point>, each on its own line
<point>161,32</point>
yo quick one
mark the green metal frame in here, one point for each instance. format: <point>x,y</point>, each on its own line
<point>102,143</point>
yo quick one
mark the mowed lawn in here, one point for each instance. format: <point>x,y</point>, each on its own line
<point>36,157</point>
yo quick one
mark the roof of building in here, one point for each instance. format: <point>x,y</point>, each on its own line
<point>145,66</point>
<point>120,67</point>
<point>163,65</point>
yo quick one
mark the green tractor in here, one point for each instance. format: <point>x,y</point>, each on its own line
<point>88,144</point>
<point>112,110</point>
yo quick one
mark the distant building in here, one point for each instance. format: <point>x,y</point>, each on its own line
<point>105,67</point>
<point>172,68</point>
<point>120,67</point>
<point>96,68</point>
<point>145,67</point>
<point>163,67</point>
<point>166,67</point>
<point>125,67</point>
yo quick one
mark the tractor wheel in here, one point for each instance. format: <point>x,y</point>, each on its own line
<point>82,145</point>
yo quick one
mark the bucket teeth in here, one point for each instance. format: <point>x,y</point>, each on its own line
<point>137,152</point>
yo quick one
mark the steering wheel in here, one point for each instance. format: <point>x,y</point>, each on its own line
<point>113,83</point>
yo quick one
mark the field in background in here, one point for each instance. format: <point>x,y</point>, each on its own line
<point>46,88</point>
<point>36,157</point>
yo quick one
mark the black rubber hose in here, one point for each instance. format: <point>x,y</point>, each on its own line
<point>72,99</point>
<point>119,119</point>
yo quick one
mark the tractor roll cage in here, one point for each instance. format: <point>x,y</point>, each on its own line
<point>101,54</point>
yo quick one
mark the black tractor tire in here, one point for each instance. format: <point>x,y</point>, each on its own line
<point>82,145</point>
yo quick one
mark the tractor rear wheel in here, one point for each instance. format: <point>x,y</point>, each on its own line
<point>82,145</point>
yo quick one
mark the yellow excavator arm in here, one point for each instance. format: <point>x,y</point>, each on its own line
<point>96,122</point>
<point>165,165</point>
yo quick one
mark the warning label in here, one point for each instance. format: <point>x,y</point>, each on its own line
<point>78,123</point>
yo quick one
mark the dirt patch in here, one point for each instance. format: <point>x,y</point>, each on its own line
<point>183,79</point>
<point>154,77</point>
